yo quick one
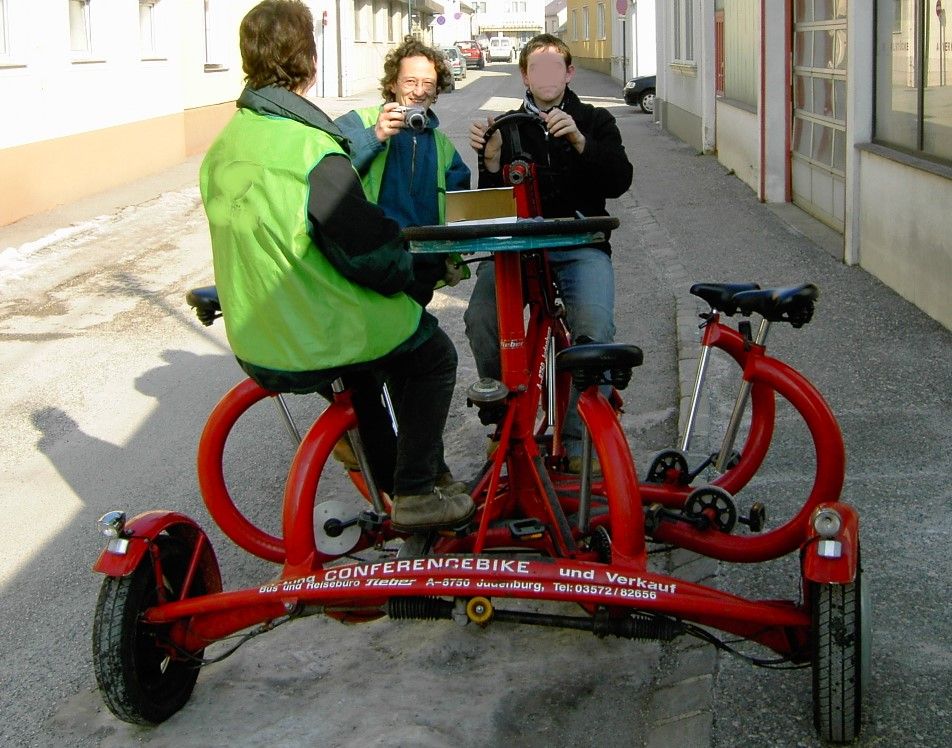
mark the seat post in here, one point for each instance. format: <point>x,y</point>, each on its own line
<point>285,414</point>
<point>358,446</point>
<point>740,404</point>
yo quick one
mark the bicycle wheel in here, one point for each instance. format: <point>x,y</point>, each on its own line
<point>841,657</point>
<point>140,679</point>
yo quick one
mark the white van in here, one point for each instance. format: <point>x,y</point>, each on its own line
<point>500,49</point>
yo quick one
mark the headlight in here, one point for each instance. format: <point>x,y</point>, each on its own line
<point>629,84</point>
<point>112,524</point>
<point>827,522</point>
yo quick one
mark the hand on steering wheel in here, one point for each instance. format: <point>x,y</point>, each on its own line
<point>487,141</point>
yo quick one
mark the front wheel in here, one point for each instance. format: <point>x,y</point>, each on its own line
<point>647,101</point>
<point>143,680</point>
<point>841,657</point>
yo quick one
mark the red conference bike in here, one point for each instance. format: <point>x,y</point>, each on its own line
<point>539,532</point>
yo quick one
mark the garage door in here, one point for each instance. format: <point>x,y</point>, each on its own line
<point>818,142</point>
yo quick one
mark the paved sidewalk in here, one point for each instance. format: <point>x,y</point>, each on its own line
<point>885,369</point>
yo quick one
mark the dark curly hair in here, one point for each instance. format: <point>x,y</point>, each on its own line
<point>413,47</point>
<point>277,45</point>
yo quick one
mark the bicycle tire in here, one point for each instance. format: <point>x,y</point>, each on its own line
<point>139,682</point>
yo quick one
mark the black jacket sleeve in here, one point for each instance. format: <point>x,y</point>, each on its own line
<point>353,233</point>
<point>603,163</point>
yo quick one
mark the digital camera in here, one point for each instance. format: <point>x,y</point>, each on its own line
<point>414,117</point>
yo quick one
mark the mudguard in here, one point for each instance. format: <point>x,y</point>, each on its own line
<point>841,570</point>
<point>121,559</point>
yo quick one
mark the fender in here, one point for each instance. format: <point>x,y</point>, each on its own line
<point>141,532</point>
<point>842,570</point>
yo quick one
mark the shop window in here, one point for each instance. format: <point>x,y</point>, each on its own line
<point>914,77</point>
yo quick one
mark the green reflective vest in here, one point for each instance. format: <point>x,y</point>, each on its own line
<point>285,306</point>
<point>373,177</point>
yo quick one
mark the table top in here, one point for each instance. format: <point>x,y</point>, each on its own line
<point>509,235</point>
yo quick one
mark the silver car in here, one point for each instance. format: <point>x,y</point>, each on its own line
<point>454,58</point>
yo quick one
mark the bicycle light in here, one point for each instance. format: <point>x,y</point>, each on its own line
<point>112,524</point>
<point>827,522</point>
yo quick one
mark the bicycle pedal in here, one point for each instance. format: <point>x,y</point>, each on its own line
<point>526,529</point>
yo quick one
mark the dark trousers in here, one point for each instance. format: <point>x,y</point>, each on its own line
<point>421,385</point>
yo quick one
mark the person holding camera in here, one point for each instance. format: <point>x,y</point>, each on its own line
<point>407,165</point>
<point>580,162</point>
<point>314,280</point>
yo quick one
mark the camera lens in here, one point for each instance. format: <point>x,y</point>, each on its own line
<point>416,119</point>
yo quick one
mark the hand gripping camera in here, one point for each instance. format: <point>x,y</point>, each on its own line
<point>414,117</point>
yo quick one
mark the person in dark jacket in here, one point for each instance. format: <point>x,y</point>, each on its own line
<point>314,280</point>
<point>580,161</point>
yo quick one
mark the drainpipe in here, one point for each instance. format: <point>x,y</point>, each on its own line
<point>762,113</point>
<point>788,114</point>
<point>340,51</point>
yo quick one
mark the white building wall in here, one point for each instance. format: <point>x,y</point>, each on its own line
<point>634,43</point>
<point>738,141</point>
<point>686,87</point>
<point>904,228</point>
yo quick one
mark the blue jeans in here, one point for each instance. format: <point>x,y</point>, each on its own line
<point>586,283</point>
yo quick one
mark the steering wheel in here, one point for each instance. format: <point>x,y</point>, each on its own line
<point>513,118</point>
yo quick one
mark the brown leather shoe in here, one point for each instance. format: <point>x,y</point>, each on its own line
<point>344,453</point>
<point>430,511</point>
<point>575,466</point>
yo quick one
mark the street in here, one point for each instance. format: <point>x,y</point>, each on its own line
<point>108,378</point>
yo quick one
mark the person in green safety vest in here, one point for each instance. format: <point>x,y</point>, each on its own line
<point>314,280</point>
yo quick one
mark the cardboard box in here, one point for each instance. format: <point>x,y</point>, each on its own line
<point>477,205</point>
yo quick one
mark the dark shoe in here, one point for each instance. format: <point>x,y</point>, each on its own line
<point>449,486</point>
<point>430,511</point>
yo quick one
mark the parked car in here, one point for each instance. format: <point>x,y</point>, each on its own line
<point>472,53</point>
<point>640,91</point>
<point>500,49</point>
<point>454,58</point>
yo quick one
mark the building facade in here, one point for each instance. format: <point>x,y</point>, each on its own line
<point>842,108</point>
<point>613,37</point>
<point>519,20</point>
<point>98,93</point>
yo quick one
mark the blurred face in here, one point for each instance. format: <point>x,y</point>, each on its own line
<point>547,76</point>
<point>416,82</point>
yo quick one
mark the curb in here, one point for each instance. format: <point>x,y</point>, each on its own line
<point>680,709</point>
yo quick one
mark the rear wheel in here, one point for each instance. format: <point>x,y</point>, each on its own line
<point>841,661</point>
<point>142,680</point>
